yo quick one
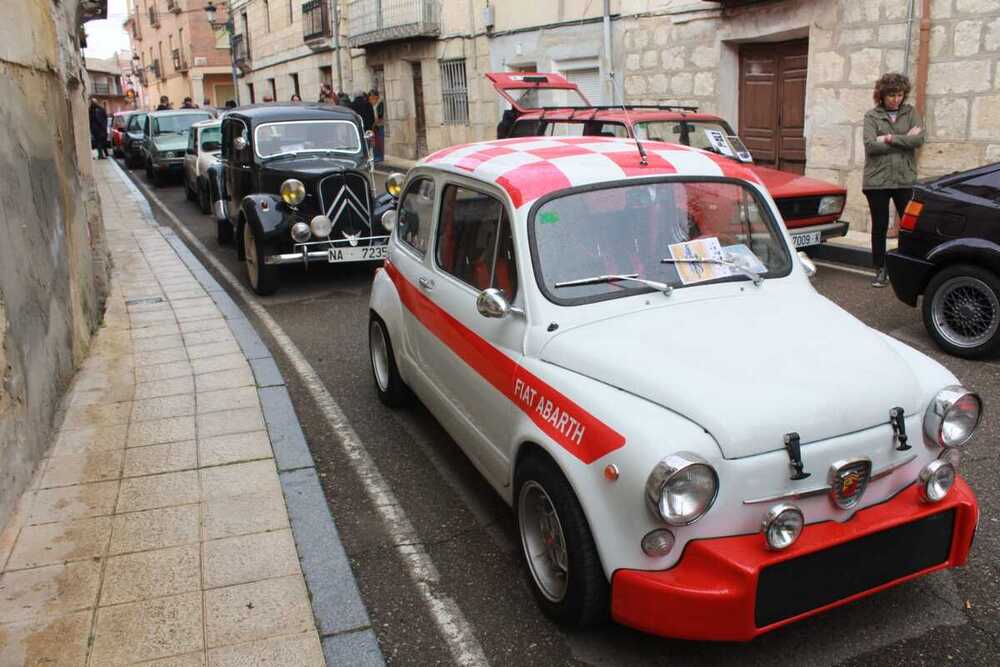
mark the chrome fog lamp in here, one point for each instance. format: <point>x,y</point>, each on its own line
<point>782,526</point>
<point>658,542</point>
<point>389,220</point>
<point>952,416</point>
<point>831,205</point>
<point>936,480</point>
<point>681,488</point>
<point>394,184</point>
<point>300,232</point>
<point>293,192</point>
<point>321,226</point>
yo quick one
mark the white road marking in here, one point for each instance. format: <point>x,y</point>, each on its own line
<point>841,267</point>
<point>452,624</point>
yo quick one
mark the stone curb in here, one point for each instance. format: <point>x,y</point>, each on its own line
<point>341,616</point>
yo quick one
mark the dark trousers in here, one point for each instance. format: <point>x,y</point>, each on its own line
<point>878,203</point>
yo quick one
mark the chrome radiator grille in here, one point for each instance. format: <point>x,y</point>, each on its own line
<point>346,200</point>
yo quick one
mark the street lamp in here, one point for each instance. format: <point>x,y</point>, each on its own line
<point>210,12</point>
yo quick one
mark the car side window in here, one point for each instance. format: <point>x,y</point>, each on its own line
<point>231,129</point>
<point>415,214</point>
<point>474,241</point>
<point>192,136</point>
<point>984,186</point>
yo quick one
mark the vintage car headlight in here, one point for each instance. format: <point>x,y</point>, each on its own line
<point>300,232</point>
<point>782,526</point>
<point>293,192</point>
<point>394,184</point>
<point>658,542</point>
<point>681,488</point>
<point>952,416</point>
<point>831,205</point>
<point>936,480</point>
<point>321,226</point>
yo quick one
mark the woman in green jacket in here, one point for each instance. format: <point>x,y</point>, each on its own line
<point>893,132</point>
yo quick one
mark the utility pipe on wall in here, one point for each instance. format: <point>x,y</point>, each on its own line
<point>607,50</point>
<point>923,55</point>
<point>336,44</point>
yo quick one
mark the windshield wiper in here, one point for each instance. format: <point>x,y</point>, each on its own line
<point>613,278</point>
<point>739,268</point>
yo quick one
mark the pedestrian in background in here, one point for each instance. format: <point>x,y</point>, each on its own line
<point>296,98</point>
<point>188,103</point>
<point>343,100</point>
<point>98,129</point>
<point>164,104</point>
<point>378,141</point>
<point>892,133</point>
<point>363,108</point>
<point>326,94</point>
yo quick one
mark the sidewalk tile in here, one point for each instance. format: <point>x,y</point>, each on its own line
<point>160,431</point>
<point>228,399</point>
<point>238,478</point>
<point>208,338</point>
<point>96,416</point>
<point>185,314</point>
<point>234,448</point>
<point>56,642</point>
<point>239,560</point>
<point>155,459</point>
<point>162,371</point>
<point>301,650</point>
<point>230,421</point>
<point>60,542</point>
<point>156,331</point>
<point>201,301</point>
<point>167,342</point>
<point>77,441</point>
<point>260,610</point>
<point>166,490</point>
<point>54,590</point>
<point>151,574</point>
<point>216,349</point>
<point>217,324</point>
<point>224,380</point>
<point>182,295</point>
<point>74,502</point>
<point>148,630</point>
<point>226,362</point>
<point>165,356</point>
<point>70,469</point>
<point>155,529</point>
<point>113,394</point>
<point>198,659</point>
<point>172,387</point>
<point>257,512</point>
<point>163,407</point>
<point>140,320</point>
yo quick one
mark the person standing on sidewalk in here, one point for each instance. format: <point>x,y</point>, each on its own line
<point>98,129</point>
<point>892,133</point>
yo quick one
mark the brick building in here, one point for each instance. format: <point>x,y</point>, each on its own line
<point>106,84</point>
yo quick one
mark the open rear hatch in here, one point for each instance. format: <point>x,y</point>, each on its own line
<point>532,91</point>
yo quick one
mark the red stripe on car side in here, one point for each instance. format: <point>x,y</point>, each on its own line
<point>573,428</point>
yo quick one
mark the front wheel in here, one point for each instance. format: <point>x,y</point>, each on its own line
<point>564,568</point>
<point>263,277</point>
<point>961,310</point>
<point>392,391</point>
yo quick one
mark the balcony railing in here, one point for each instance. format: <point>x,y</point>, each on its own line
<point>316,20</point>
<point>180,60</point>
<point>105,88</point>
<point>241,54</point>
<point>156,70</point>
<point>376,21</point>
<point>154,17</point>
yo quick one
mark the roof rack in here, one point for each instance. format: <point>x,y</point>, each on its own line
<point>616,107</point>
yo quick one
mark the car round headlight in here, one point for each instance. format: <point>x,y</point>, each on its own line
<point>293,192</point>
<point>782,526</point>
<point>952,416</point>
<point>394,184</point>
<point>936,480</point>
<point>658,542</point>
<point>389,220</point>
<point>321,226</point>
<point>300,232</point>
<point>681,488</point>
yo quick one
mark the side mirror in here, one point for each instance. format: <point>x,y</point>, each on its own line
<point>240,143</point>
<point>491,303</point>
<point>807,264</point>
<point>389,220</point>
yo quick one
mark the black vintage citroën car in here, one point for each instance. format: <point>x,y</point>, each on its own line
<point>296,187</point>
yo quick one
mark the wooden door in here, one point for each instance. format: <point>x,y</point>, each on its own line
<point>773,102</point>
<point>418,103</point>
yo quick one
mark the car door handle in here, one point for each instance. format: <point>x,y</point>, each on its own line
<point>426,283</point>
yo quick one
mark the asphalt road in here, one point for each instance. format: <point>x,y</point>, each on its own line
<point>468,532</point>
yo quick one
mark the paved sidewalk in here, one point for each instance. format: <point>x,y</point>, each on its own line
<point>157,525</point>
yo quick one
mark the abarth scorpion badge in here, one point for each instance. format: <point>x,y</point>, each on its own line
<point>848,481</point>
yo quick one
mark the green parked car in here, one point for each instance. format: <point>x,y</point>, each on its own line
<point>165,138</point>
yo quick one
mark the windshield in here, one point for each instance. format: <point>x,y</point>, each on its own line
<point>211,138</point>
<point>536,98</point>
<point>339,136</point>
<point>629,229</point>
<point>178,124</point>
<point>693,133</point>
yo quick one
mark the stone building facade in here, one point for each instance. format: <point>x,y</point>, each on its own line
<point>53,259</point>
<point>180,53</point>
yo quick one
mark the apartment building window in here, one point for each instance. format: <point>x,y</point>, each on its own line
<point>170,47</point>
<point>246,31</point>
<point>253,98</point>
<point>267,15</point>
<point>454,92</point>
<point>295,84</point>
<point>274,90</point>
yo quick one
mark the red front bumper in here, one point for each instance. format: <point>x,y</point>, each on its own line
<point>711,593</point>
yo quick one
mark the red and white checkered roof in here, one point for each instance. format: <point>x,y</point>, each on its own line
<point>529,167</point>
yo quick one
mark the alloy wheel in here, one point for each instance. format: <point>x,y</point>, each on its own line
<point>966,311</point>
<point>380,355</point>
<point>250,249</point>
<point>543,541</point>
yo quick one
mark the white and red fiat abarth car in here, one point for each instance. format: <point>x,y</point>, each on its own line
<point>630,351</point>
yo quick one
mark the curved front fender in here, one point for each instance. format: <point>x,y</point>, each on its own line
<point>267,214</point>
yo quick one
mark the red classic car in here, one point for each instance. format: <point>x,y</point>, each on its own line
<point>118,123</point>
<point>547,104</point>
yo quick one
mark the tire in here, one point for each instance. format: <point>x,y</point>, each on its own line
<point>188,192</point>
<point>263,278</point>
<point>389,385</point>
<point>568,583</point>
<point>204,200</point>
<point>223,232</point>
<point>961,310</point>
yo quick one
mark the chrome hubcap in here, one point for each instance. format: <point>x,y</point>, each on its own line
<point>543,541</point>
<point>380,355</point>
<point>250,249</point>
<point>966,312</point>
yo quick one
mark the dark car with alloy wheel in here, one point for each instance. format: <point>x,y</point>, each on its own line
<point>949,252</point>
<point>296,188</point>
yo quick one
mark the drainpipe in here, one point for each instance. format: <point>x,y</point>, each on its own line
<point>336,43</point>
<point>923,55</point>
<point>609,61</point>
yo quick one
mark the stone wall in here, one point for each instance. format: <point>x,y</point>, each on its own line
<point>53,272</point>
